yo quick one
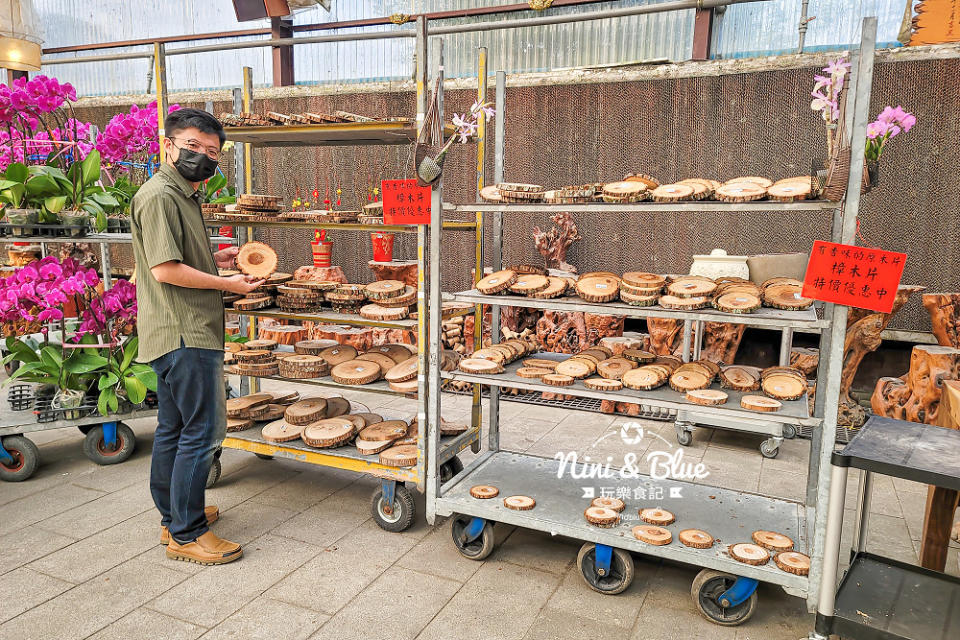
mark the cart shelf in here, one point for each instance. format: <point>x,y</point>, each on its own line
<point>792,412</point>
<point>333,226</point>
<point>380,386</point>
<point>328,317</point>
<point>98,238</point>
<point>651,207</point>
<point>763,317</point>
<point>11,426</point>
<point>729,516</point>
<point>328,135</point>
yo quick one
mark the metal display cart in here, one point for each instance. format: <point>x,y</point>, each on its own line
<point>880,598</point>
<point>725,590</point>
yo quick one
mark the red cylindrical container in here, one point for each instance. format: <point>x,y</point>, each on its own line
<point>382,246</point>
<point>321,253</point>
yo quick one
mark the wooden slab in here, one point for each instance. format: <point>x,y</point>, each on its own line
<point>305,411</point>
<point>652,534</point>
<point>257,259</point>
<point>404,455</point>
<point>329,432</point>
<point>281,431</point>
<point>657,516</point>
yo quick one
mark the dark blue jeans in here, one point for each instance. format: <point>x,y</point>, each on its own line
<point>191,425</point>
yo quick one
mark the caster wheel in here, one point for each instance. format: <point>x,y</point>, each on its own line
<point>684,438</point>
<point>26,457</point>
<point>478,549</point>
<point>397,517</point>
<point>769,450</point>
<point>263,456</point>
<point>215,470</point>
<point>789,431</point>
<point>706,590</point>
<point>95,448</point>
<point>449,469</point>
<point>619,577</point>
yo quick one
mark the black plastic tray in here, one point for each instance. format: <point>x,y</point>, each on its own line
<point>28,231</point>
<point>46,413</point>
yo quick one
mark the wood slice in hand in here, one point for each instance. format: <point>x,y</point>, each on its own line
<point>772,540</point>
<point>480,366</point>
<point>686,288</point>
<point>238,424</point>
<point>268,412</point>
<point>257,259</point>
<point>614,368</point>
<point>657,516</point>
<point>385,362</point>
<point>558,380</point>
<point>496,282</point>
<point>575,368</point>
<point>603,384</point>
<point>793,562</point>
<point>739,379</point>
<point>652,534</point>
<point>695,539</point>
<point>735,302</point>
<point>484,491</point>
<point>783,387</point>
<point>306,411</point>
<point>749,553</point>
<point>519,503</point>
<point>371,447</point>
<point>601,516</point>
<point>338,354</point>
<point>532,372</point>
<point>616,504</point>
<point>528,284</point>
<point>789,191</point>
<point>386,430</point>
<point>683,304</point>
<point>760,403</point>
<point>643,379</point>
<point>355,372</point>
<point>706,397</point>
<point>598,288</point>
<point>281,431</point>
<point>383,289</point>
<point>672,193</point>
<point>379,312</point>
<point>330,432</point>
<point>403,371</point>
<point>541,363</point>
<point>555,288</point>
<point>237,407</point>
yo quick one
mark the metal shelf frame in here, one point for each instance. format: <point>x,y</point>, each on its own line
<point>553,513</point>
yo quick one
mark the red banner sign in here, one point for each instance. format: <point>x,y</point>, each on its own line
<point>405,202</point>
<point>853,276</point>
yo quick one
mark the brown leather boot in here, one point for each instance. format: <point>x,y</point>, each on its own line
<point>211,511</point>
<point>208,549</point>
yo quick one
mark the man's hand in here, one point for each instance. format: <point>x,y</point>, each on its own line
<point>241,284</point>
<point>226,259</point>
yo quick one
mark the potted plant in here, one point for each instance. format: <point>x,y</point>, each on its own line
<point>78,187</point>
<point>123,383</point>
<point>891,122</point>
<point>14,196</point>
<point>429,169</point>
<point>71,372</point>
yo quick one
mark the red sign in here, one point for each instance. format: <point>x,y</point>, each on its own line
<point>853,276</point>
<point>405,202</point>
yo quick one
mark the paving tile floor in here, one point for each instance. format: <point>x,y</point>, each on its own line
<point>80,556</point>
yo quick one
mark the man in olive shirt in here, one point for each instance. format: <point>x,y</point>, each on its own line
<point>180,324</point>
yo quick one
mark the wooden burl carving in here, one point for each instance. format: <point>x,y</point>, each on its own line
<point>518,318</point>
<point>721,340</point>
<point>562,332</point>
<point>916,395</point>
<point>665,336</point>
<point>944,311</point>
<point>600,326</point>
<point>403,270</point>
<point>553,245</point>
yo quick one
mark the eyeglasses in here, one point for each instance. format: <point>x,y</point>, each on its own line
<point>195,145</point>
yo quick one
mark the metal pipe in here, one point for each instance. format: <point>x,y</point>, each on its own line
<point>802,27</point>
<point>864,498</point>
<point>786,343</point>
<point>686,339</point>
<point>476,413</point>
<point>496,254</point>
<point>239,173</point>
<point>831,552</point>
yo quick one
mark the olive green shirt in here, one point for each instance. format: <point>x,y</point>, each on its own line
<point>167,225</point>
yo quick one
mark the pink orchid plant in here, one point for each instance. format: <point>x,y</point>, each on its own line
<point>131,136</point>
<point>891,122</point>
<point>467,125</point>
<point>826,98</point>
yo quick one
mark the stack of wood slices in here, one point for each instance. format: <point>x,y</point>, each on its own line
<point>389,300</point>
<point>244,411</point>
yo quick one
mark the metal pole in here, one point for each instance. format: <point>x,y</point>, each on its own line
<point>105,265</point>
<point>802,28</point>
<point>239,173</point>
<point>160,74</point>
<point>786,343</point>
<point>423,363</point>
<point>687,331</point>
<point>247,99</point>
<point>864,498</point>
<point>697,340</point>
<point>832,533</point>
<point>421,72</point>
<point>496,257</point>
<point>476,413</point>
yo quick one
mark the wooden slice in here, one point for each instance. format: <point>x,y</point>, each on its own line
<point>783,386</point>
<point>484,492</point>
<point>406,299</point>
<point>238,424</point>
<point>793,562</point>
<point>528,284</point>
<point>757,180</point>
<point>338,354</point>
<point>263,344</point>
<point>760,403</point>
<point>736,302</point>
<point>257,259</point>
<point>614,368</point>
<point>642,379</point>
<point>598,288</point>
<point>684,381</point>
<point>652,534</point>
<point>701,188</point>
<point>639,300</point>
<point>772,540</point>
<point>769,282</point>
<point>616,504</point>
<point>532,372</point>
<point>254,355</point>
<point>480,366</point>
<point>683,304</point>
<point>281,431</point>
<point>601,516</point>
<point>268,412</point>
<point>285,398</point>
<point>697,367</point>
<point>383,289</point>
<point>313,285</point>
<point>650,181</point>
<point>299,294</point>
<point>384,361</point>
<point>638,355</point>
<point>591,357</point>
<point>643,280</point>
<point>306,411</point>
<point>398,352</point>
<point>519,503</point>
<point>789,191</point>
<point>346,293</point>
<point>740,192</point>
<point>337,407</point>
<point>368,418</point>
<point>256,369</point>
<point>496,282</point>
<point>748,553</point>
<point>555,288</point>
<point>386,430</point>
<point>330,432</point>
<point>672,193</point>
<point>603,384</point>
<point>739,379</point>
<point>706,397</point>
<point>379,312</point>
<point>490,194</point>
<point>450,428</point>
<point>238,407</point>
<point>657,516</point>
<point>371,447</point>
<point>626,191</point>
<point>684,288</point>
<point>355,372</point>
<point>403,455</point>
<point>558,380</point>
<point>519,187</point>
<point>403,371</point>
<point>786,298</point>
<point>695,538</point>
<point>279,278</point>
<point>541,363</point>
<point>409,387</point>
<point>574,368</point>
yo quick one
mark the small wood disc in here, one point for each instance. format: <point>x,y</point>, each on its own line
<point>330,432</point>
<point>598,288</point>
<point>691,288</point>
<point>532,372</point>
<point>555,288</point>
<point>496,282</point>
<point>281,431</point>
<point>706,397</point>
<point>783,386</point>
<point>484,491</point>
<point>263,343</point>
<point>574,368</point>
<point>788,298</point>
<point>760,403</point>
<point>490,193</point>
<point>528,284</point>
<point>378,312</point>
<point>268,412</point>
<point>639,300</point>
<point>254,355</point>
<point>749,553</point>
<point>789,191</point>
<point>386,430</point>
<point>369,418</point>
<point>409,387</point>
<point>403,371</point>
<point>757,180</point>
<point>601,516</point>
<point>253,302</point>
<point>772,540</point>
<point>238,407</point>
<point>337,407</point>
<point>238,424</point>
<point>406,299</point>
<point>793,562</point>
<point>695,538</point>
<point>643,280</point>
<point>614,368</point>
<point>657,516</point>
<point>490,353</point>
<point>683,304</point>
<point>684,381</point>
<point>735,302</point>
<point>450,428</point>
<point>355,372</point>
<point>480,366</point>
<point>603,384</point>
<point>616,504</point>
<point>384,361</point>
<point>401,455</point>
<point>385,289</point>
<point>371,447</point>
<point>305,411</point>
<point>257,259</point>
<point>672,192</point>
<point>398,352</point>
<point>652,534</point>
<point>313,347</point>
<point>558,380</point>
<point>541,363</point>
<point>642,379</point>
<point>637,355</point>
<point>285,399</point>
<point>340,353</point>
<point>739,378</point>
<point>519,503</point>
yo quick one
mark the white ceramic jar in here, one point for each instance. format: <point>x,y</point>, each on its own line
<point>718,264</point>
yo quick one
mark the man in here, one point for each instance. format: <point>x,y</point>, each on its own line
<point>180,324</point>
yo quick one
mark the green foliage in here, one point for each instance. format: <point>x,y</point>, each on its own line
<point>75,190</point>
<point>216,191</point>
<point>240,339</point>
<point>122,376</point>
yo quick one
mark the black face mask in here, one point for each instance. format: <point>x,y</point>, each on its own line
<point>195,167</point>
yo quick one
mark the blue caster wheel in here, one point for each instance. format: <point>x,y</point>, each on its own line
<point>609,577</point>
<point>473,538</point>
<point>712,592</point>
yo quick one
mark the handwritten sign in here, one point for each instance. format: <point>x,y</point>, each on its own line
<point>405,202</point>
<point>853,276</point>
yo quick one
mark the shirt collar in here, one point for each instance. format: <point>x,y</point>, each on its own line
<point>178,180</point>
